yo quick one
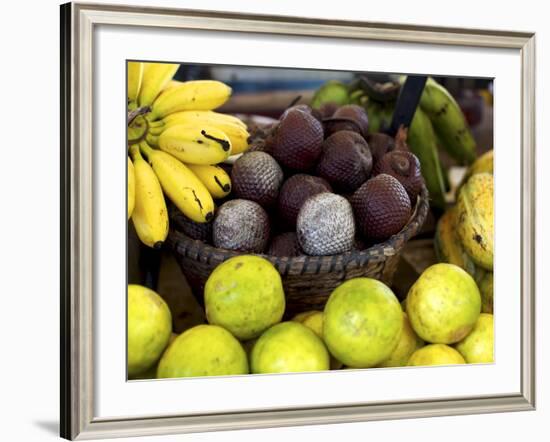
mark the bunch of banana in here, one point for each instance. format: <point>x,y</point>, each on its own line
<point>173,126</point>
<point>449,122</point>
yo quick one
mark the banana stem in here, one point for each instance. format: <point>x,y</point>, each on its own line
<point>136,112</point>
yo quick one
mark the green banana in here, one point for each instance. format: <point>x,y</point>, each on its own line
<point>331,92</point>
<point>423,143</point>
<point>449,122</point>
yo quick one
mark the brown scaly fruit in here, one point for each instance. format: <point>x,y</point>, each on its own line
<point>241,225</point>
<point>285,244</point>
<point>346,161</point>
<point>405,167</point>
<point>298,140</point>
<point>294,192</point>
<point>325,225</point>
<point>358,121</point>
<point>327,109</point>
<point>380,144</point>
<point>382,207</point>
<point>256,176</point>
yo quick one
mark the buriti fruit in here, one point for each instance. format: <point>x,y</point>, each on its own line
<point>408,343</point>
<point>289,347</point>
<point>346,161</point>
<point>256,176</point>
<point>405,168</point>
<point>204,350</point>
<point>285,244</point>
<point>295,191</point>
<point>149,328</point>
<point>443,304</point>
<point>381,206</point>
<point>477,347</point>
<point>244,295</point>
<point>325,225</point>
<point>298,140</point>
<point>362,322</point>
<point>436,354</point>
<point>241,225</point>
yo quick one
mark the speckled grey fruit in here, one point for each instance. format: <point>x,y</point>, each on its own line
<point>346,161</point>
<point>256,176</point>
<point>359,120</point>
<point>285,244</point>
<point>325,225</point>
<point>200,231</point>
<point>405,167</point>
<point>381,206</point>
<point>298,140</point>
<point>380,144</point>
<point>294,192</point>
<point>241,225</point>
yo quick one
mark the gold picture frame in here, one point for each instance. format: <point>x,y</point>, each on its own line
<point>77,389</point>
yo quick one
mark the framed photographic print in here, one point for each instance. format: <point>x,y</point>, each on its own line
<point>289,238</point>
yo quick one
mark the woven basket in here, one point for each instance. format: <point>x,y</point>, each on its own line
<point>307,280</point>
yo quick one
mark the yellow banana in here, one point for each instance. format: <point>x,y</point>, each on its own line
<point>237,133</point>
<point>216,180</point>
<point>135,74</point>
<point>191,95</point>
<point>475,224</point>
<point>181,185</point>
<point>206,115</point>
<point>448,247</point>
<point>484,163</point>
<point>150,216</point>
<point>449,122</point>
<point>131,188</point>
<point>195,144</point>
<point>155,77</point>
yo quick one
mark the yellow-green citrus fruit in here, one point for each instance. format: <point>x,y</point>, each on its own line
<point>313,319</point>
<point>149,328</point>
<point>203,350</point>
<point>477,347</point>
<point>151,373</point>
<point>289,347</point>
<point>408,343</point>
<point>362,322</point>
<point>436,354</point>
<point>486,290</point>
<point>443,304</point>
<point>244,295</point>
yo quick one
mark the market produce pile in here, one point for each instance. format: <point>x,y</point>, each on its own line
<point>320,182</point>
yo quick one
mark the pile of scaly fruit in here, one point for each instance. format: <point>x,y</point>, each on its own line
<point>438,121</point>
<point>465,232</point>
<point>172,125</point>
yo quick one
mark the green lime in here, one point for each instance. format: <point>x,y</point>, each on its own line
<point>244,295</point>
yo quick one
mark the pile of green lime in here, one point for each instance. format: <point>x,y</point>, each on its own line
<point>362,325</point>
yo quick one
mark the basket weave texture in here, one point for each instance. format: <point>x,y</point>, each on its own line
<point>307,280</point>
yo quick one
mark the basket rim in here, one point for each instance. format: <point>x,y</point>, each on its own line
<point>180,242</point>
